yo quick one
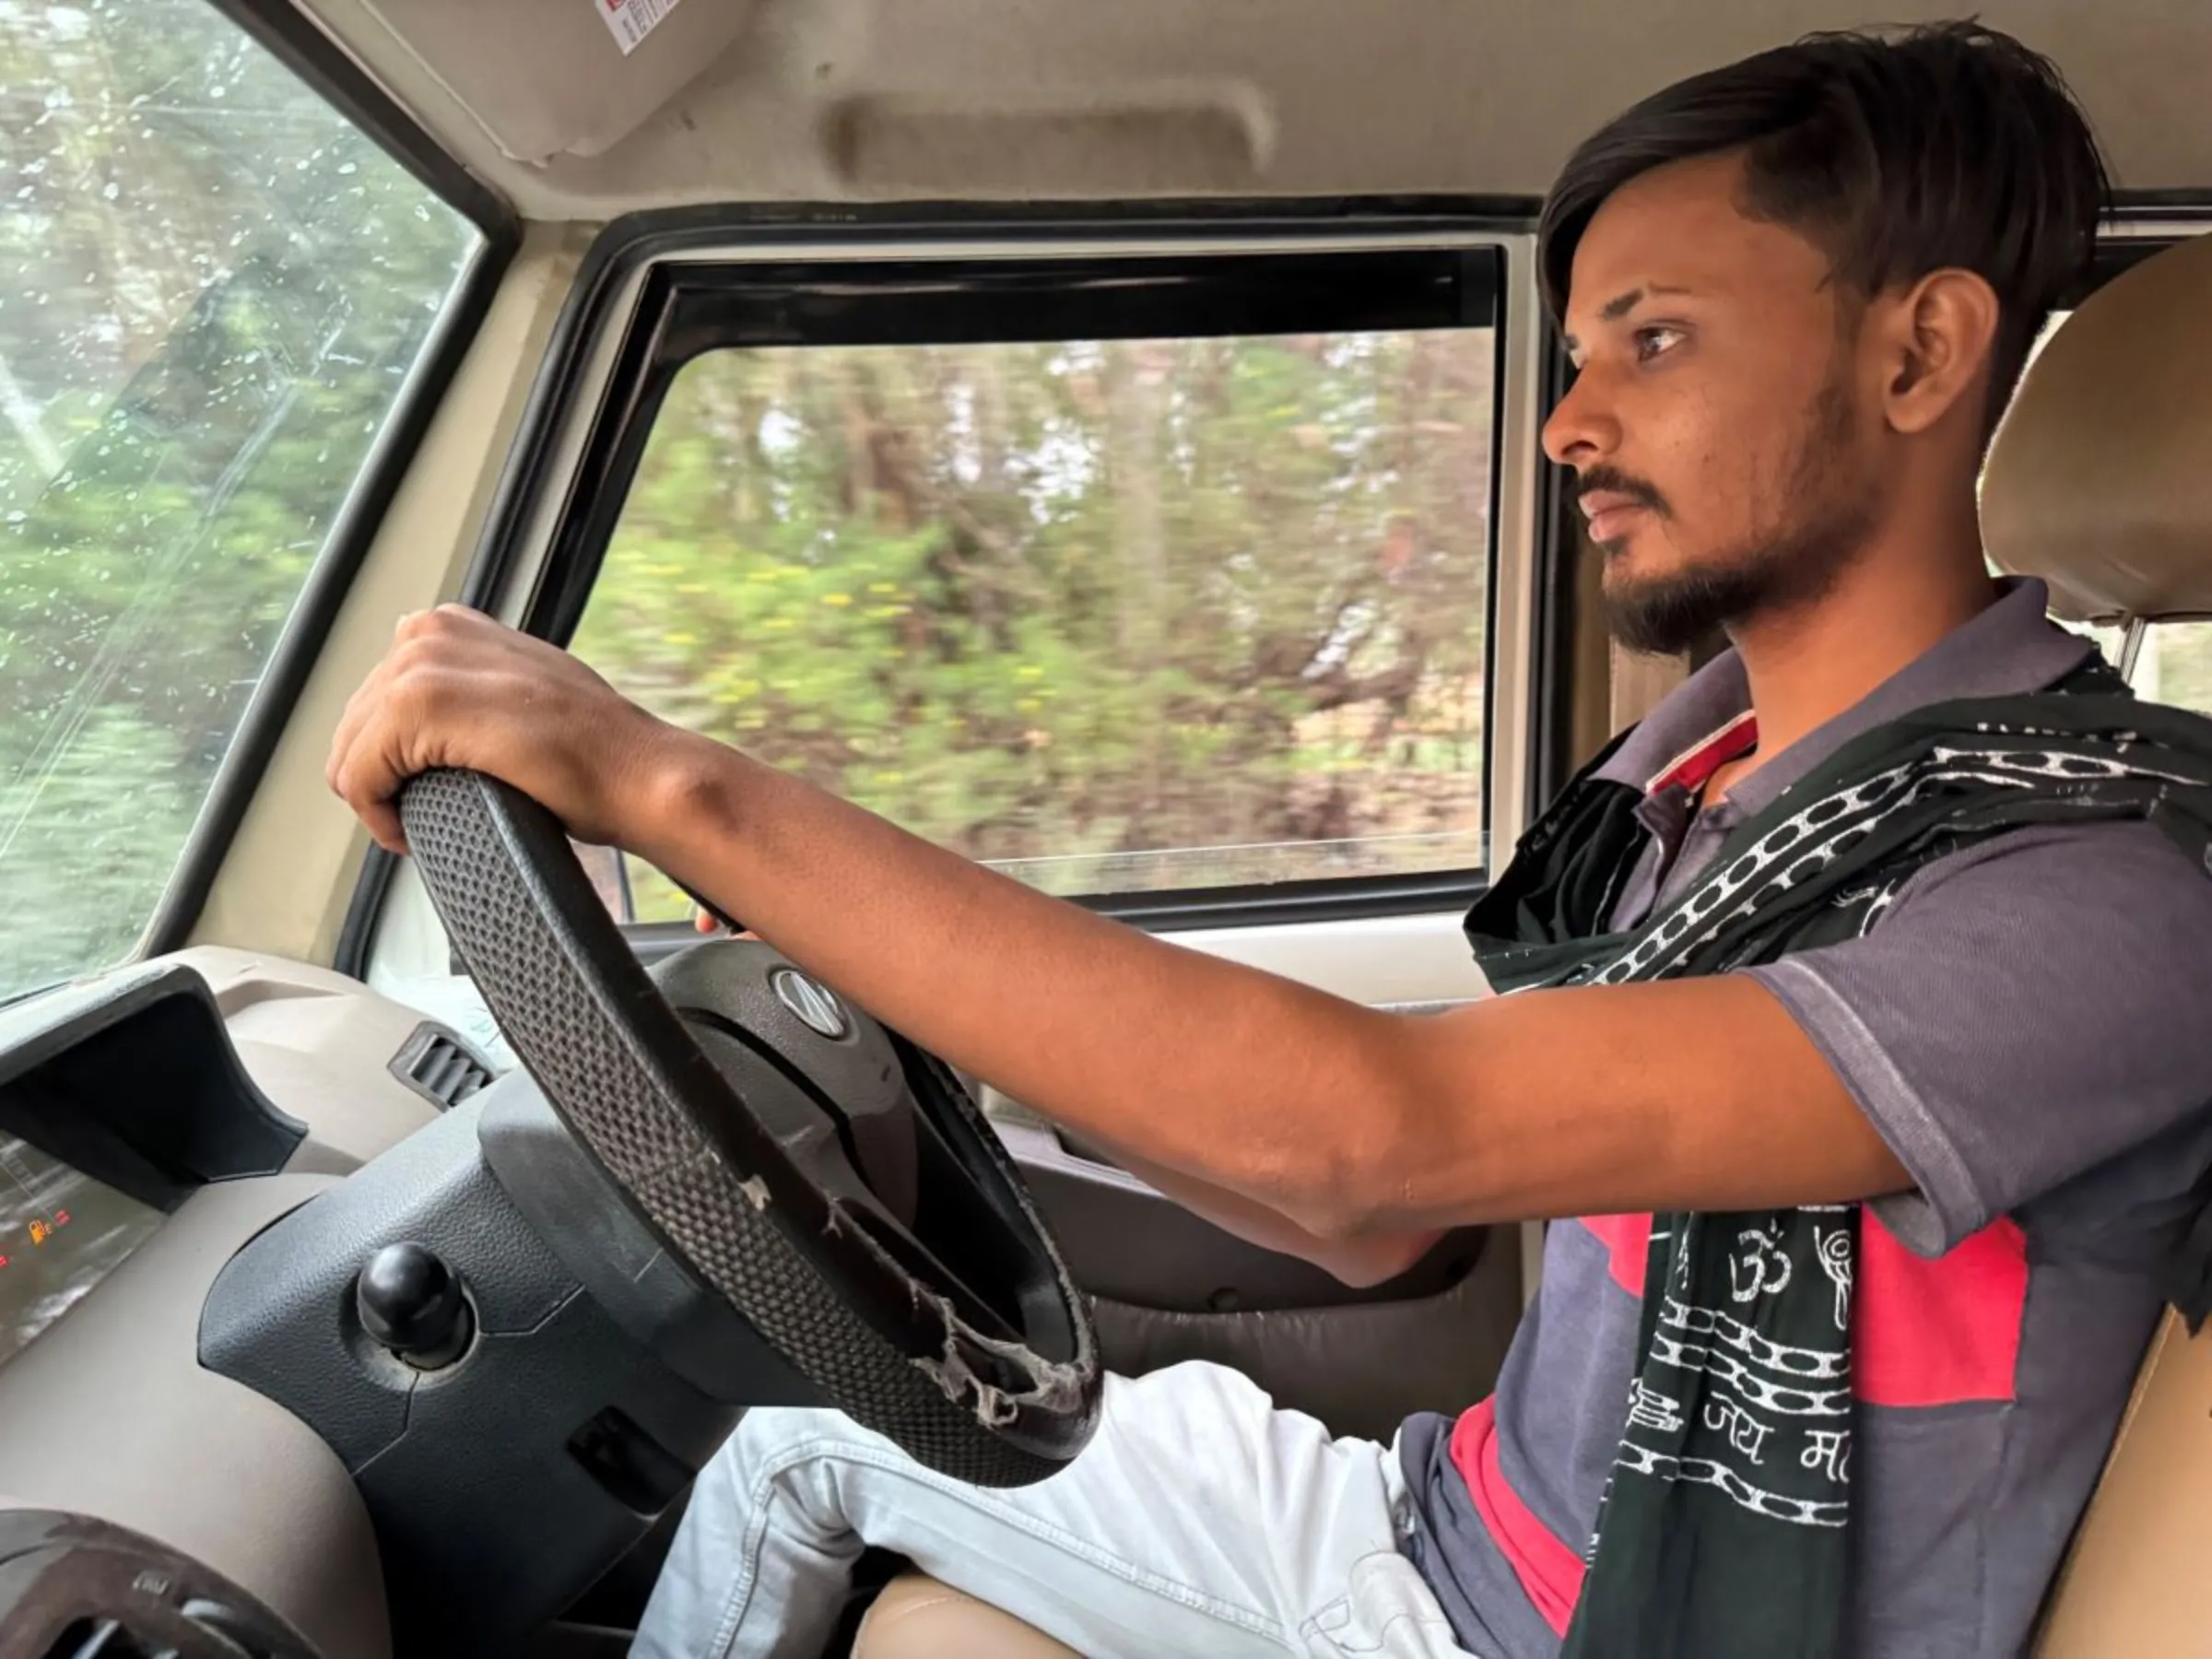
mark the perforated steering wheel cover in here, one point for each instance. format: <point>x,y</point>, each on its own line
<point>623,1073</point>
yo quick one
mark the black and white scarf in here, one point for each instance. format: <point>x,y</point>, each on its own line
<point>1722,1532</point>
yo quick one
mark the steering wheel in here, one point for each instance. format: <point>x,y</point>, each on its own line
<point>882,1244</point>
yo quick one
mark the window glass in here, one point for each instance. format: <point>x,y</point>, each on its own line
<point>2175,665</point>
<point>212,290</point>
<point>1119,615</point>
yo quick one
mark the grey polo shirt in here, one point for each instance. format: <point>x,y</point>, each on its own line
<point>2030,1027</point>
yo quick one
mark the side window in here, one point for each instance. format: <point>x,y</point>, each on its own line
<point>2175,665</point>
<point>212,290</point>
<point>1117,616</point>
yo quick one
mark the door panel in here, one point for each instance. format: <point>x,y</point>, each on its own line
<point>1169,1286</point>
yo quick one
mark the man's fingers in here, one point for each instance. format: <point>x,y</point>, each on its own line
<point>368,698</point>
<point>367,763</point>
<point>363,783</point>
<point>385,829</point>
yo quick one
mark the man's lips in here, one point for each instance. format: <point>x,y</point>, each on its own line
<point>1610,512</point>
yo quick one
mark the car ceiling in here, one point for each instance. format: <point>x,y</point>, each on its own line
<point>859,100</point>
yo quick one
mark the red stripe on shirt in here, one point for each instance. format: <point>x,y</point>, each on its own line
<point>1693,768</point>
<point>1941,1332</point>
<point>1627,1241</point>
<point>1550,1573</point>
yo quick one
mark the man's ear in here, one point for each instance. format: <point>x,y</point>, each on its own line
<point>1935,339</point>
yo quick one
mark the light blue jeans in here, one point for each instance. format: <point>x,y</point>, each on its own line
<point>1199,1521</point>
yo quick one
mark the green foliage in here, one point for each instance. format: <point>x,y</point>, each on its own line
<point>2176,665</point>
<point>1082,603</point>
<point>211,291</point>
<point>86,864</point>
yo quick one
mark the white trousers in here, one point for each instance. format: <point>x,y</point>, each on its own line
<point>1199,1521</point>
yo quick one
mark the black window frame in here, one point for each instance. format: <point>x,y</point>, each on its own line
<point>692,282</point>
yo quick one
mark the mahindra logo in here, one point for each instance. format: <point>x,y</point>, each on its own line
<point>816,1008</point>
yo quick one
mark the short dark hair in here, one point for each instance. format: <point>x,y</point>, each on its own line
<point>1897,152</point>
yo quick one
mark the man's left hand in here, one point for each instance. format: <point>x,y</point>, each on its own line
<point>459,689</point>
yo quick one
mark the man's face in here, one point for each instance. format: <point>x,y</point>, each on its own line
<point>1715,427</point>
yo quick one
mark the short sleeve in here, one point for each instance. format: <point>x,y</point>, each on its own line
<point>2028,1009</point>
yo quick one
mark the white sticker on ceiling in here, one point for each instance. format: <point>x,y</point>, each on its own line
<point>629,21</point>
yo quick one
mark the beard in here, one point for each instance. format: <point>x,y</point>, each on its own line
<point>1825,514</point>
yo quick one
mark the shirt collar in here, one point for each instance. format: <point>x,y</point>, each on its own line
<point>2009,647</point>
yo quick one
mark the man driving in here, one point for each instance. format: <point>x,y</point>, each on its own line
<point>1855,999</point>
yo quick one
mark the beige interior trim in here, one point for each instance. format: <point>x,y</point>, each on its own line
<point>852,101</point>
<point>1639,683</point>
<point>2126,1585</point>
<point>284,886</point>
<point>1518,528</point>
<point>499,62</point>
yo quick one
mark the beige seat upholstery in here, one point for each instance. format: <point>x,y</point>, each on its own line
<point>2130,1585</point>
<point>917,1617</point>
<point>2101,482</point>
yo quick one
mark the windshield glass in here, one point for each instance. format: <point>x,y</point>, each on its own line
<point>212,291</point>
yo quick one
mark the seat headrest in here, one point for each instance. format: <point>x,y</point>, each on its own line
<point>2100,477</point>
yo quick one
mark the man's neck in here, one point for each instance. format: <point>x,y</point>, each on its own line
<point>1808,666</point>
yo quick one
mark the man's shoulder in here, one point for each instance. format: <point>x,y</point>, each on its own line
<point>2114,916</point>
<point>2128,867</point>
<point>2026,1010</point>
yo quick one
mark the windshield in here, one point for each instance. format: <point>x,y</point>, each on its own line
<point>212,291</point>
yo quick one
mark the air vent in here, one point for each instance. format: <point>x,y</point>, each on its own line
<point>98,1638</point>
<point>439,1066</point>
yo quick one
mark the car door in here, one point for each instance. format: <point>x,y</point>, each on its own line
<point>1182,566</point>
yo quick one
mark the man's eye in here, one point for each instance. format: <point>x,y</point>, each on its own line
<point>1650,342</point>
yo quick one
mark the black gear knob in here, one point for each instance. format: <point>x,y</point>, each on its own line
<point>411,1302</point>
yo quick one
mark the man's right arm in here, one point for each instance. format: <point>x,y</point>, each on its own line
<point>1360,1261</point>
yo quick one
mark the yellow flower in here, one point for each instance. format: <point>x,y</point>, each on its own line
<point>837,599</point>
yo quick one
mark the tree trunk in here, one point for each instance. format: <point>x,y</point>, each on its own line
<point>1137,375</point>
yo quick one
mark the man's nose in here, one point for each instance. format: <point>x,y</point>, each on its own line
<point>1583,429</point>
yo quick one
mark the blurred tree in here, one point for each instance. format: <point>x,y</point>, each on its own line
<point>1079,603</point>
<point>211,291</point>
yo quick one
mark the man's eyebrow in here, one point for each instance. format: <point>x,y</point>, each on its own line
<point>1621,305</point>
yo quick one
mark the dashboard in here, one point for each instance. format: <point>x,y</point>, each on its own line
<point>152,1124</point>
<point>228,1423</point>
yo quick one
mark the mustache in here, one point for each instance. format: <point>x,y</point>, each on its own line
<point>1615,482</point>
